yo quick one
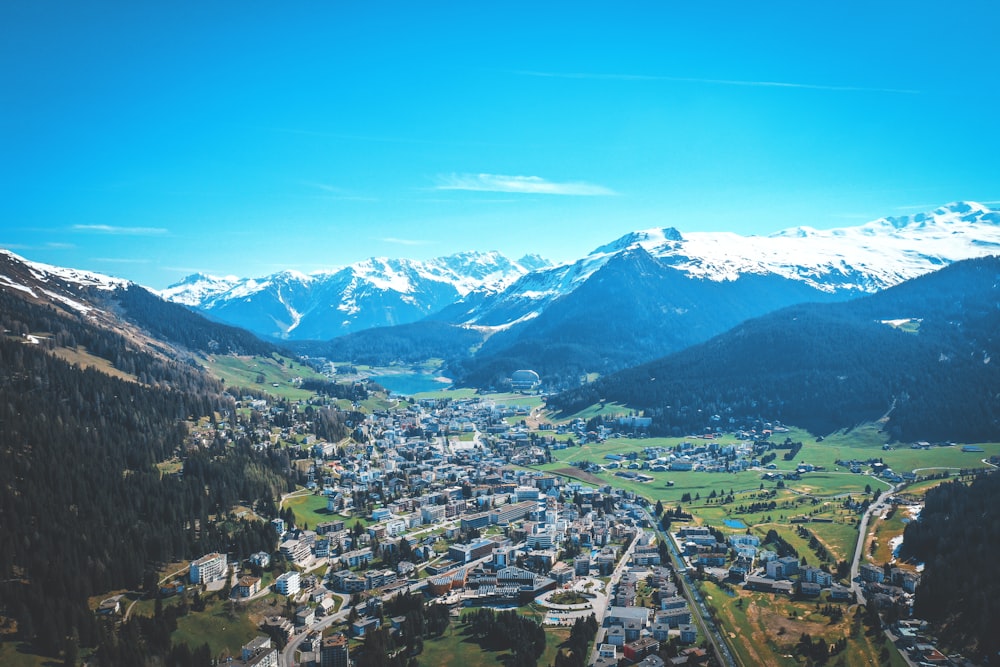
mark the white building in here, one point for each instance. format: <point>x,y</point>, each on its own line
<point>209,567</point>
<point>288,583</point>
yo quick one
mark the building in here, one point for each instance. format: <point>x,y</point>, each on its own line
<point>258,653</point>
<point>295,551</point>
<point>208,568</point>
<point>640,648</point>
<point>288,583</point>
<point>466,553</point>
<point>475,521</point>
<point>513,512</point>
<point>248,586</point>
<point>334,652</point>
<point>524,380</point>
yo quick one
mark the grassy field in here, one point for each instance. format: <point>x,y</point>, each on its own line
<point>763,629</point>
<point>861,443</point>
<point>223,631</point>
<point>245,371</point>
<point>884,530</point>
<point>311,509</point>
<point>87,360</point>
<point>15,654</point>
<point>455,649</point>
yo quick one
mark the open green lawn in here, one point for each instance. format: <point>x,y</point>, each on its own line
<point>310,509</point>
<point>588,413</point>
<point>453,394</point>
<point>245,371</point>
<point>861,443</point>
<point>225,632</point>
<point>455,649</point>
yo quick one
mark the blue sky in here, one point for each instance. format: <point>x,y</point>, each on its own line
<point>152,140</point>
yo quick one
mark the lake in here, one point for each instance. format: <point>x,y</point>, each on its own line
<point>734,523</point>
<point>407,384</point>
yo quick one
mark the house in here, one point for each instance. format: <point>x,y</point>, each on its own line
<point>278,626</point>
<point>689,633</point>
<point>363,625</point>
<point>247,586</point>
<point>809,589</point>
<point>619,615</point>
<point>111,606</point>
<point>305,616</point>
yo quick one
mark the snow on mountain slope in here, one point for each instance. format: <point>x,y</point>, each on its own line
<point>488,290</point>
<point>374,292</point>
<point>43,273</point>
<point>866,258</point>
<point>198,288</point>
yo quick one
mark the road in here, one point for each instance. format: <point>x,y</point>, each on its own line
<point>699,610</point>
<point>876,506</point>
<point>601,612</point>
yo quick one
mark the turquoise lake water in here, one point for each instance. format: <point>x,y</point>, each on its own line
<point>407,384</point>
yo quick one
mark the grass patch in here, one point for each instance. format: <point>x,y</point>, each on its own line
<point>223,630</point>
<point>18,654</point>
<point>246,371</point>
<point>763,629</point>
<point>85,359</point>
<point>568,597</point>
<point>455,648</point>
<point>310,509</point>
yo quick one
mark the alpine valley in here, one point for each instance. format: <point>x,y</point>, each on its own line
<point>635,299</point>
<point>163,456</point>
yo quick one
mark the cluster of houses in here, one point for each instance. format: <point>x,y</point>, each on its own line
<point>635,632</point>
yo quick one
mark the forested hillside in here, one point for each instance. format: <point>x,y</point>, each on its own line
<point>634,309</point>
<point>958,537</point>
<point>83,507</point>
<point>177,324</point>
<point>407,343</point>
<point>922,352</point>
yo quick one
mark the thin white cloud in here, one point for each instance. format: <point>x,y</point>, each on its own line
<point>122,231</point>
<point>720,82</point>
<point>407,242</point>
<point>59,246</point>
<point>533,185</point>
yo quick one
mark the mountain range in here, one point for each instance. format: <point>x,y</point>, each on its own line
<point>490,291</point>
<point>290,305</point>
<point>920,355</point>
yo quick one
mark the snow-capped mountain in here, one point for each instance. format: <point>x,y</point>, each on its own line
<point>849,260</point>
<point>490,291</point>
<point>374,292</point>
<point>55,285</point>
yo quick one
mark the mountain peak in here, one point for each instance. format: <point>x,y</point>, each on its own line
<point>648,238</point>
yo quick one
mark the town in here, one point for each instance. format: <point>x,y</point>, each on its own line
<point>437,498</point>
